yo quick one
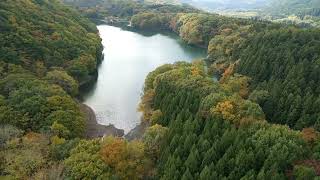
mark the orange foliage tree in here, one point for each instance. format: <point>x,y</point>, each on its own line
<point>127,159</point>
<point>310,135</point>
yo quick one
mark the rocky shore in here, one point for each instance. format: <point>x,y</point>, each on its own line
<point>137,132</point>
<point>94,130</point>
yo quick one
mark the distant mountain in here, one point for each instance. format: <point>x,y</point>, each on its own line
<point>227,4</point>
<point>271,6</point>
<point>305,13</point>
<point>163,1</point>
<point>289,7</point>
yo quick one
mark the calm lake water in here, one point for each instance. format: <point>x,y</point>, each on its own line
<point>128,58</point>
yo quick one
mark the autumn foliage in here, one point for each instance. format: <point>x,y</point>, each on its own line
<point>310,135</point>
<point>127,159</point>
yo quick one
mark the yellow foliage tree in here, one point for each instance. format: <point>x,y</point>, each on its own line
<point>226,109</point>
<point>236,84</point>
<point>146,103</point>
<point>126,158</point>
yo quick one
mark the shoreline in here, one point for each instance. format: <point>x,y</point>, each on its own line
<point>137,132</point>
<point>93,128</point>
<point>96,130</point>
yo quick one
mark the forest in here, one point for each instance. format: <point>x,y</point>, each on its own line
<point>259,120</point>
<point>214,133</point>
<point>98,9</point>
<point>46,52</point>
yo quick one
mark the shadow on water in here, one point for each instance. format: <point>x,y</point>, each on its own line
<point>87,88</point>
<point>150,33</point>
<point>189,49</point>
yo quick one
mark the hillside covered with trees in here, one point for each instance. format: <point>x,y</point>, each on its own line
<point>46,51</point>
<point>214,133</point>
<point>99,9</point>
<point>294,7</point>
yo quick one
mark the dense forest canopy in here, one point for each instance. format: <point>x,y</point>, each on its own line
<point>35,36</point>
<point>285,63</point>
<point>46,51</point>
<point>213,132</point>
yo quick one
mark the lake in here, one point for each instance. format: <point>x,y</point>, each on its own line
<point>128,58</point>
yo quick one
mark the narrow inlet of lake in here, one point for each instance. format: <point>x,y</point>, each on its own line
<point>128,58</point>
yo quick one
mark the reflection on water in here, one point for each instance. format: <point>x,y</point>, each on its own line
<point>128,58</point>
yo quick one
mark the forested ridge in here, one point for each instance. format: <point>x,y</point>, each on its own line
<point>43,34</point>
<point>294,6</point>
<point>46,51</point>
<point>285,64</point>
<point>123,8</point>
<point>213,133</point>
